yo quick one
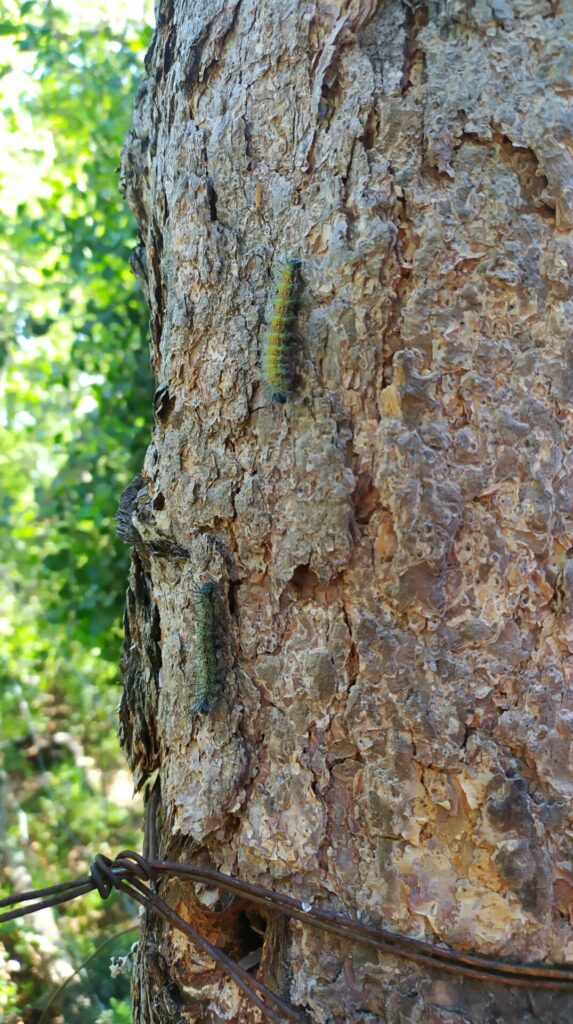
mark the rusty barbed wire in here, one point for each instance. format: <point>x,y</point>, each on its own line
<point>130,872</point>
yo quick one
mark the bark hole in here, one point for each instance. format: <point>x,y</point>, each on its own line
<point>304,580</point>
<point>253,929</point>
<point>365,498</point>
<point>212,197</point>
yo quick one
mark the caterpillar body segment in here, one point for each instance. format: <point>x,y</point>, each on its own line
<point>277,349</point>
<point>206,675</point>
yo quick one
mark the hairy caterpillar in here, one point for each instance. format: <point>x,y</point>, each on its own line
<point>206,679</point>
<point>277,355</point>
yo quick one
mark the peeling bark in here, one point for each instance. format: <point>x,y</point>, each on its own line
<point>391,548</point>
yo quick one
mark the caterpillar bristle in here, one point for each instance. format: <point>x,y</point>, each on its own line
<point>277,355</point>
<point>203,706</point>
<point>206,678</point>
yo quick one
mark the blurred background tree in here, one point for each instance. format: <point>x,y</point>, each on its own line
<point>74,424</point>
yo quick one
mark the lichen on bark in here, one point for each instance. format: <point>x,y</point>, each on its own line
<point>392,546</point>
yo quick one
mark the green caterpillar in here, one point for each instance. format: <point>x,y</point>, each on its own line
<point>277,354</point>
<point>206,675</point>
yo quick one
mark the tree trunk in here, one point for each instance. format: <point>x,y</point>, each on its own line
<point>390,547</point>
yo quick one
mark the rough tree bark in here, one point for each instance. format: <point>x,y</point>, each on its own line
<point>391,548</point>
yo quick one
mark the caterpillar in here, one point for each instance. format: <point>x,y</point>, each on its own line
<point>206,677</point>
<point>277,354</point>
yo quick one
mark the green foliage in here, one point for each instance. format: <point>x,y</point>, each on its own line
<point>74,425</point>
<point>118,1013</point>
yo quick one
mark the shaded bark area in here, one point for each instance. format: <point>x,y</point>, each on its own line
<point>392,548</point>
